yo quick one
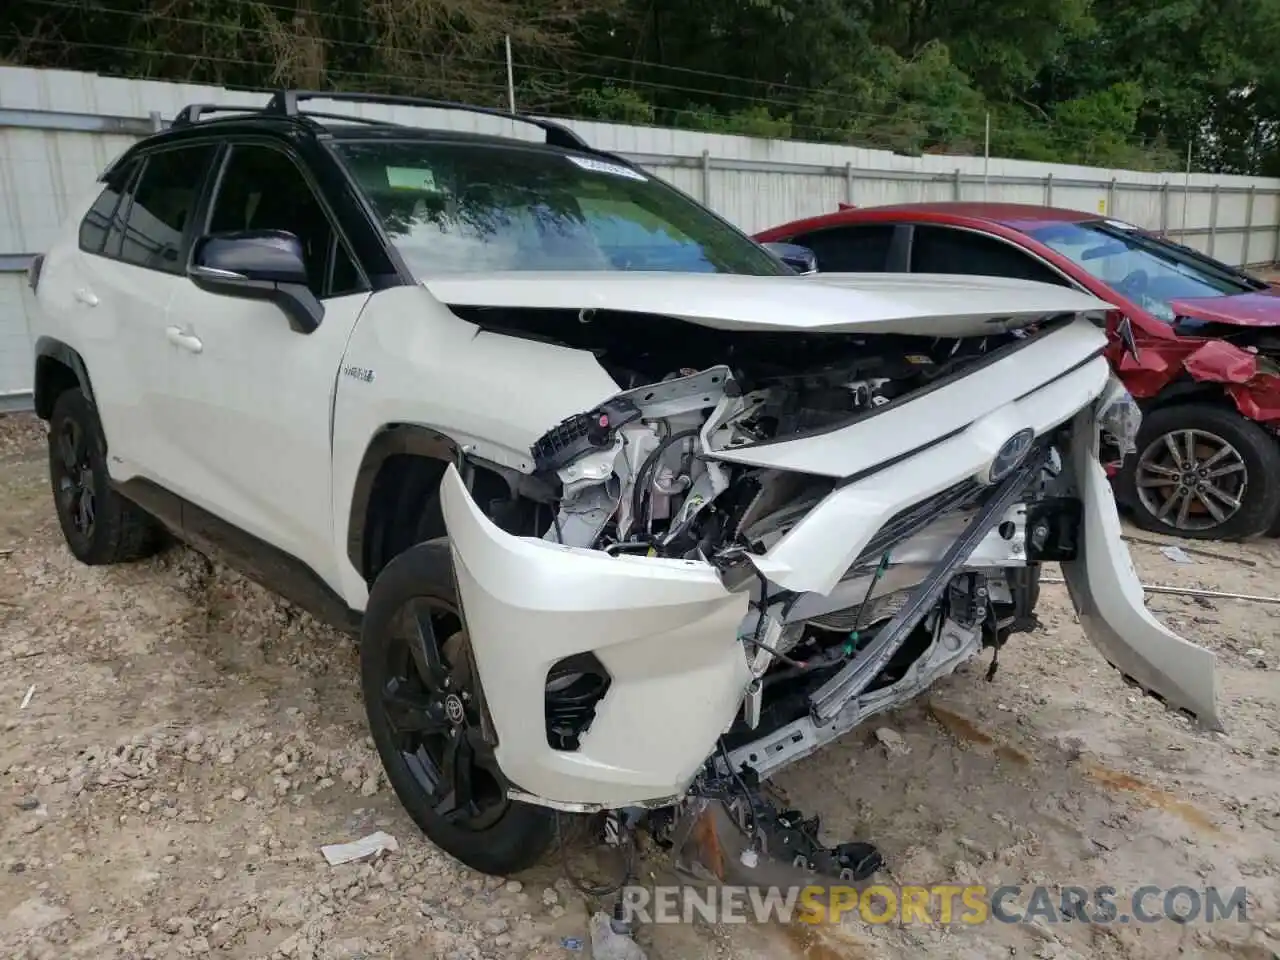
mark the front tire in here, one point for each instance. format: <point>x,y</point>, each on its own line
<point>423,699</point>
<point>1203,472</point>
<point>99,525</point>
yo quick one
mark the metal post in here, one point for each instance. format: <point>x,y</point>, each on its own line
<point>1111,198</point>
<point>1048,189</point>
<point>706,177</point>
<point>955,185</point>
<point>1164,209</point>
<point>1248,226</point>
<point>1186,193</point>
<point>157,122</point>
<point>986,156</point>
<point>848,182</point>
<point>511,77</point>
<point>1213,218</point>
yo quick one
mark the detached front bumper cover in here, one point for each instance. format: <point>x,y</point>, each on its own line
<point>1111,605</point>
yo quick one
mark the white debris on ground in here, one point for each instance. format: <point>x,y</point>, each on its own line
<point>192,743</point>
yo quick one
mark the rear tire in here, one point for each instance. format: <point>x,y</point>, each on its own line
<point>99,525</point>
<point>1222,473</point>
<point>424,716</point>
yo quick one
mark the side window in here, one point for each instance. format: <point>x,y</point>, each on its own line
<point>863,248</point>
<point>946,250</point>
<point>262,189</point>
<point>96,223</point>
<point>164,205</point>
<point>115,234</point>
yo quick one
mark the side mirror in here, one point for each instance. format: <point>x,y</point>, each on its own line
<point>799,259</point>
<point>258,265</point>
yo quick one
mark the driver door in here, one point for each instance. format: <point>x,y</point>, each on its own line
<point>254,396</point>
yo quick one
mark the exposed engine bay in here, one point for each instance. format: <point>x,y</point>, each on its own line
<point>657,471</point>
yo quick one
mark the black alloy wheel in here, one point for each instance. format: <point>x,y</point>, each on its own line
<point>426,712</point>
<point>99,524</point>
<point>73,478</point>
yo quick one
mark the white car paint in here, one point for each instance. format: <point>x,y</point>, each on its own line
<point>666,630</point>
<point>248,415</point>
<point>1111,605</point>
<point>821,302</point>
<point>115,319</point>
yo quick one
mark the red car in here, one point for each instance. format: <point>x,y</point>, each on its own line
<point>1207,337</point>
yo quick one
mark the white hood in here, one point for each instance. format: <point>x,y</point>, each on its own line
<point>931,305</point>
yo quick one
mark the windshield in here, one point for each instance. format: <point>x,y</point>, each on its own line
<point>453,208</point>
<point>1146,270</point>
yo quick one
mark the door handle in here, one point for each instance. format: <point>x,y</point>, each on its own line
<point>86,296</point>
<point>184,340</point>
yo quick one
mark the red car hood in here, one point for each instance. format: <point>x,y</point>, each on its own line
<point>1261,309</point>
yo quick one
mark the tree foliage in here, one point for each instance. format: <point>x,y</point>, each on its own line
<point>1104,82</point>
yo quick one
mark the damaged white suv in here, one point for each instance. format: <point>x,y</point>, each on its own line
<point>627,514</point>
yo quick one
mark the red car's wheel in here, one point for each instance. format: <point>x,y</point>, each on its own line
<point>1203,472</point>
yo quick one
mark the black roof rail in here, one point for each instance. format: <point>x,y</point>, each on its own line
<point>285,103</point>
<point>192,112</point>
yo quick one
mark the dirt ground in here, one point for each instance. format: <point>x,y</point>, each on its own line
<point>190,742</point>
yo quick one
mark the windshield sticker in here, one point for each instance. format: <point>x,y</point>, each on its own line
<point>613,169</point>
<point>410,178</point>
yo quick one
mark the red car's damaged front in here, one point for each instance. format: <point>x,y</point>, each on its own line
<point>1230,338</point>
<point>1247,372</point>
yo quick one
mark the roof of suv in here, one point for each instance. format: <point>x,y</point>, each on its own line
<point>283,114</point>
<point>345,129</point>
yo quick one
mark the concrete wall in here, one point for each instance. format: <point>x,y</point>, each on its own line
<point>58,129</point>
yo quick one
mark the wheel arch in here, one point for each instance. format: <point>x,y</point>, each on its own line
<point>1185,390</point>
<point>58,367</point>
<point>391,441</point>
<point>393,502</point>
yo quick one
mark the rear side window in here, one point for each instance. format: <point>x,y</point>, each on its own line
<point>164,206</point>
<point>96,223</point>
<point>945,250</point>
<point>862,248</point>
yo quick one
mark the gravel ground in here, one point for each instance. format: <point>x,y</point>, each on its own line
<point>190,743</point>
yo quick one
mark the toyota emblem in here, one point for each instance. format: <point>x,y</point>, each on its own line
<point>453,708</point>
<point>1011,454</point>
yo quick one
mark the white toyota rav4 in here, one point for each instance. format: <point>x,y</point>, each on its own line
<point>627,514</point>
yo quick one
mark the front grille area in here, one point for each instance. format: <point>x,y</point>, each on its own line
<point>906,523</point>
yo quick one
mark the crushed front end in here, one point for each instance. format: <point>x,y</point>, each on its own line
<point>748,560</point>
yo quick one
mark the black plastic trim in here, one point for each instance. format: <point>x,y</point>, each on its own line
<point>256,559</point>
<point>52,349</point>
<point>285,102</point>
<point>396,439</point>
